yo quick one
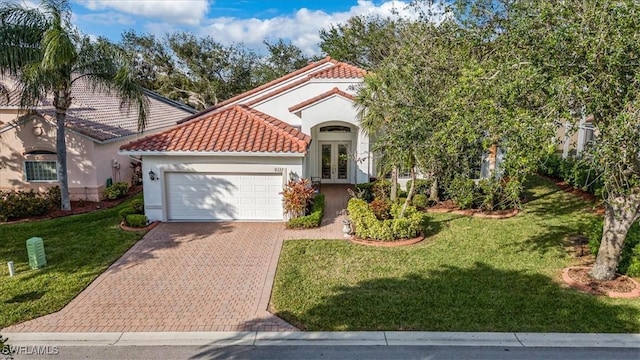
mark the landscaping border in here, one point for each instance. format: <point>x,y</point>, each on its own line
<point>612,294</point>
<point>146,228</point>
<point>477,214</point>
<point>380,243</point>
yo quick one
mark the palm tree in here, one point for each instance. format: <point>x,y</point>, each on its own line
<point>44,51</point>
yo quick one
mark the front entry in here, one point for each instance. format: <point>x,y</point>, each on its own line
<point>334,162</point>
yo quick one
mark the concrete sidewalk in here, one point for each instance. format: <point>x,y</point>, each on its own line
<point>377,338</point>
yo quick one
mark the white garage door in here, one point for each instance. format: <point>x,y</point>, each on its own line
<point>205,196</point>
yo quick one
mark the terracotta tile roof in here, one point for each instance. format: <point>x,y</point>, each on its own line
<point>339,70</point>
<point>233,129</point>
<point>98,114</point>
<point>334,91</point>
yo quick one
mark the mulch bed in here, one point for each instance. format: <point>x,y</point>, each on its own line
<point>620,287</point>
<point>562,185</point>
<point>448,206</point>
<point>82,207</point>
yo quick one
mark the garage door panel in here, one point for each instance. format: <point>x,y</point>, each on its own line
<point>206,196</point>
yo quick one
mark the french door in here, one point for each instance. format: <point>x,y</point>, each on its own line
<point>334,162</point>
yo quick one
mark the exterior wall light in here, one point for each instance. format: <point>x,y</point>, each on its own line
<point>152,175</point>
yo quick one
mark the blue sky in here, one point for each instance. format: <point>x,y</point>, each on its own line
<point>230,21</point>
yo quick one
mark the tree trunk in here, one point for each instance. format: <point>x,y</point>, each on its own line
<point>394,184</point>
<point>621,212</point>
<point>433,192</point>
<point>61,149</point>
<point>493,159</point>
<point>410,193</point>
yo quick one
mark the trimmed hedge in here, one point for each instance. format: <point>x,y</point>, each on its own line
<point>23,204</point>
<point>312,220</point>
<point>136,220</point>
<point>369,227</point>
<point>422,186</point>
<point>575,172</point>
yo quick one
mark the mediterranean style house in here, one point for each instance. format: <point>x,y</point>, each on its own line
<point>230,162</point>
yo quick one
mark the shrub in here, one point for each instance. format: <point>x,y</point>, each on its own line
<point>461,191</point>
<point>22,204</point>
<point>364,191</point>
<point>630,259</point>
<point>420,201</point>
<point>137,205</point>
<point>422,186</point>
<point>296,197</point>
<point>369,227</point>
<point>126,212</point>
<point>551,165</point>
<point>381,207</point>
<point>312,220</point>
<point>136,220</point>
<point>376,189</point>
<point>53,196</point>
<point>116,191</point>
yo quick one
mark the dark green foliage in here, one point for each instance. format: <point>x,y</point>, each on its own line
<point>126,212</point>
<point>422,186</point>
<point>376,189</point>
<point>579,173</point>
<point>312,220</point>
<point>369,227</point>
<point>137,205</point>
<point>420,201</point>
<point>136,220</point>
<point>630,259</point>
<point>116,191</point>
<point>22,204</point>
<point>461,191</point>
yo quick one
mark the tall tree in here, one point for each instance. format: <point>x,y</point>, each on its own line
<point>45,52</point>
<point>586,55</point>
<point>283,58</point>
<point>364,41</point>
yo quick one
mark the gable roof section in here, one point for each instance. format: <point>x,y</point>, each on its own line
<point>333,92</point>
<point>98,114</point>
<point>326,68</point>
<point>236,129</point>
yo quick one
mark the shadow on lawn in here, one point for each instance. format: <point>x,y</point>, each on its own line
<point>480,298</point>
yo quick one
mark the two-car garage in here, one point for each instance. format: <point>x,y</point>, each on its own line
<point>195,196</point>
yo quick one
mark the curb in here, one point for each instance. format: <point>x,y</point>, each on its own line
<point>360,338</point>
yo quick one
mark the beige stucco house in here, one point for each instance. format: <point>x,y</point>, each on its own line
<point>96,128</point>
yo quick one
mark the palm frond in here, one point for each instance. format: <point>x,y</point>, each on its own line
<point>21,30</point>
<point>106,68</point>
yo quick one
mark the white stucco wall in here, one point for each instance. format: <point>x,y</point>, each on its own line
<point>154,198</point>
<point>279,105</point>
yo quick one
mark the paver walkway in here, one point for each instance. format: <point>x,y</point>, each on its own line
<point>336,197</point>
<point>191,277</point>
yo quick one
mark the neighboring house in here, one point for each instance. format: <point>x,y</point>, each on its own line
<point>96,128</point>
<point>574,137</point>
<point>230,162</point>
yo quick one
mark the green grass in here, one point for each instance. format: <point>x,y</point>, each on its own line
<point>469,275</point>
<point>78,249</point>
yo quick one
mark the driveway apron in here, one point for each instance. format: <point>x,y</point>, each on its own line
<point>180,277</point>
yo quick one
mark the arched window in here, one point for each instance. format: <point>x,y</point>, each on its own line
<point>335,128</point>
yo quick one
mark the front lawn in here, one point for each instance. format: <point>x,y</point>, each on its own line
<point>470,275</point>
<point>78,249</point>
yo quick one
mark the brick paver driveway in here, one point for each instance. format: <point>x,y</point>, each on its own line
<point>181,277</point>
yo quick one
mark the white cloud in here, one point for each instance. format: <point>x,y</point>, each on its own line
<point>302,28</point>
<point>106,18</point>
<point>184,12</point>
